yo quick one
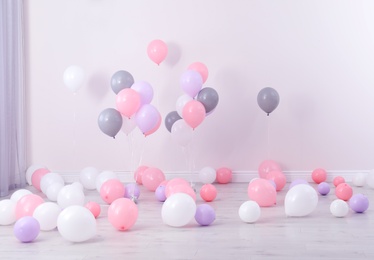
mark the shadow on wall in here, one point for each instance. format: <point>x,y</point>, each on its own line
<point>174,54</point>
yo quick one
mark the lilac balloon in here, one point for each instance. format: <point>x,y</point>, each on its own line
<point>323,188</point>
<point>298,181</point>
<point>145,91</point>
<point>26,229</point>
<point>147,118</point>
<point>205,215</point>
<point>132,191</point>
<point>191,82</point>
<point>160,193</point>
<point>359,203</point>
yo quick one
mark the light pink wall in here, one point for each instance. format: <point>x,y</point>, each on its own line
<point>319,55</point>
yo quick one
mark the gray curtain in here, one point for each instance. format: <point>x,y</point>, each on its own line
<point>12,101</point>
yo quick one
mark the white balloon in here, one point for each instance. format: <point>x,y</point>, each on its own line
<point>249,211</point>
<point>7,212</point>
<point>17,195</point>
<point>207,175</point>
<point>53,190</point>
<point>46,214</point>
<point>181,102</point>
<point>128,124</point>
<point>70,195</point>
<point>30,172</point>
<point>300,200</point>
<point>77,185</point>
<point>103,177</point>
<point>73,77</point>
<point>88,177</point>
<point>181,133</point>
<point>48,179</point>
<point>339,208</point>
<point>76,224</point>
<point>178,210</point>
<point>359,179</point>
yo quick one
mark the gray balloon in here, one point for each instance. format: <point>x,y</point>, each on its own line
<point>209,98</point>
<point>170,119</point>
<point>110,122</point>
<point>268,99</point>
<point>121,80</point>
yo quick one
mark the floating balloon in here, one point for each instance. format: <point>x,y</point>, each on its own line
<point>181,102</point>
<point>263,192</point>
<point>205,215</point>
<point>209,98</point>
<point>339,208</point>
<point>181,133</point>
<point>268,100</point>
<point>73,77</point>
<point>128,124</point>
<point>145,91</point>
<point>147,118</point>
<point>76,224</point>
<point>128,102</point>
<point>121,80</point>
<point>301,200</point>
<point>157,51</point>
<point>178,210</point>
<point>194,113</point>
<point>191,82</point>
<point>201,68</point>
<point>26,229</point>
<point>110,122</point>
<point>249,211</point>
<point>170,119</point>
<point>122,214</point>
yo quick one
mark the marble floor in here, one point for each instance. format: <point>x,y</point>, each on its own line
<point>319,235</point>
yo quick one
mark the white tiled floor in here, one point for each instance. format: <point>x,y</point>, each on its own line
<point>274,236</point>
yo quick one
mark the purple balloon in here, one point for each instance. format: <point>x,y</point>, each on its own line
<point>145,91</point>
<point>323,188</point>
<point>298,181</point>
<point>132,191</point>
<point>191,82</point>
<point>205,214</point>
<point>147,118</point>
<point>26,229</point>
<point>359,203</point>
<point>160,193</point>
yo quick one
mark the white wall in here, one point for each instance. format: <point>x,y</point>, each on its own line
<point>319,56</point>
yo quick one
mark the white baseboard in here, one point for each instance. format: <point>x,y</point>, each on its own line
<point>237,176</point>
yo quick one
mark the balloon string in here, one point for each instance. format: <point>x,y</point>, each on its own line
<point>130,139</point>
<point>268,139</point>
<point>142,145</point>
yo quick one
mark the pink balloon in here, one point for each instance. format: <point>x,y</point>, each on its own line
<point>94,208</point>
<point>152,177</point>
<point>147,118</point>
<point>194,113</point>
<point>263,192</point>
<point>145,91</point>
<point>223,175</point>
<point>319,175</point>
<point>111,190</point>
<point>201,68</point>
<point>181,188</point>
<point>157,51</point>
<point>37,177</point>
<point>154,129</point>
<point>128,102</point>
<point>191,82</point>
<point>173,182</point>
<point>344,191</point>
<point>279,179</point>
<point>27,204</point>
<point>122,214</point>
<point>138,174</point>
<point>266,167</point>
<point>208,192</point>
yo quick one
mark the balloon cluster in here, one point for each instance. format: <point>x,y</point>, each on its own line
<point>133,107</point>
<point>193,106</point>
